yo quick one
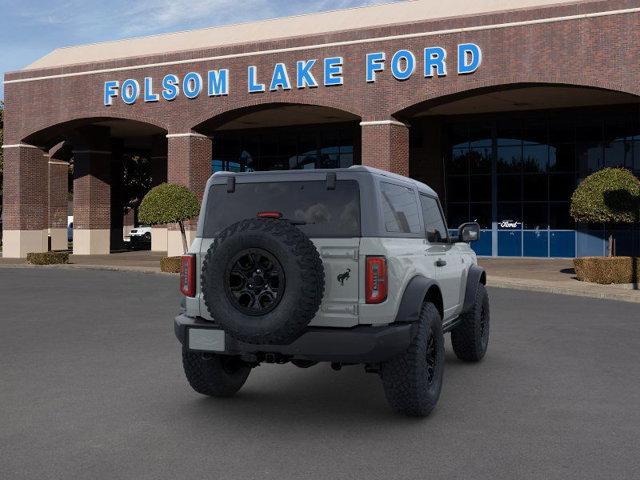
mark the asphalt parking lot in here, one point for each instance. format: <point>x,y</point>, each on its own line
<point>91,386</point>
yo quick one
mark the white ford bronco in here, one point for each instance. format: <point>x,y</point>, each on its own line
<point>347,266</point>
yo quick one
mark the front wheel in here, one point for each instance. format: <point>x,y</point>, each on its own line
<point>470,338</point>
<point>214,375</point>
<point>412,380</point>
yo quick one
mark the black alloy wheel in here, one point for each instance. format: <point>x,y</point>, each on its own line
<point>254,281</point>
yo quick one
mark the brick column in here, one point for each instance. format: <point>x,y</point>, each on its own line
<point>91,191</point>
<point>385,145</point>
<point>189,164</point>
<point>158,175</point>
<point>58,191</point>
<point>91,202</point>
<point>25,202</point>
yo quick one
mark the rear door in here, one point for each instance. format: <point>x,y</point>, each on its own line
<point>328,214</point>
<point>448,266</point>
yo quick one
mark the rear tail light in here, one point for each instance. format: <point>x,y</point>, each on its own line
<point>376,280</point>
<point>188,275</point>
<point>269,215</point>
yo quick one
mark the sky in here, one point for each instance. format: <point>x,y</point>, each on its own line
<point>29,29</point>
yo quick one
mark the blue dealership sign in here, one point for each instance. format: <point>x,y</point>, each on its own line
<point>308,73</point>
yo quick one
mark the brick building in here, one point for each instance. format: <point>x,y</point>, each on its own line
<point>502,106</point>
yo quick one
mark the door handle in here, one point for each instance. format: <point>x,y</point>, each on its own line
<point>440,262</point>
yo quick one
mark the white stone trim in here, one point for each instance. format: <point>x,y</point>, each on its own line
<point>91,241</point>
<point>477,28</point>
<point>58,162</point>
<point>383,122</point>
<point>190,134</point>
<point>100,152</point>
<point>21,145</point>
<point>18,243</point>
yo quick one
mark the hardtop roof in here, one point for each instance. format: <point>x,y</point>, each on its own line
<point>320,174</point>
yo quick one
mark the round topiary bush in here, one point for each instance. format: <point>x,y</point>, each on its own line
<point>610,195</point>
<point>169,203</point>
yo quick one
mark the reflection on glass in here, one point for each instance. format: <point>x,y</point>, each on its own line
<point>589,157</point>
<point>510,159</point>
<point>282,149</point>
<point>480,159</point>
<point>459,163</point>
<point>618,154</point>
<point>535,158</point>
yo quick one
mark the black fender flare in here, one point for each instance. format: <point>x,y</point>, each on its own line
<point>413,297</point>
<point>475,277</point>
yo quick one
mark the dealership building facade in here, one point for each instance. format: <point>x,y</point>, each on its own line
<point>501,106</point>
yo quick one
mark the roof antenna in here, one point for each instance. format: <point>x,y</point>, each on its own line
<point>231,184</point>
<point>331,181</point>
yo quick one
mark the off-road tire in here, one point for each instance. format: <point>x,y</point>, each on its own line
<point>214,375</point>
<point>303,273</point>
<point>406,377</point>
<point>470,338</point>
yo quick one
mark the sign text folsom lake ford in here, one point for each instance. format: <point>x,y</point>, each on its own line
<point>310,73</point>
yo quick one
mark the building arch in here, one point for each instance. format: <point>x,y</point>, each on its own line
<point>46,137</point>
<point>458,93</point>
<point>320,112</point>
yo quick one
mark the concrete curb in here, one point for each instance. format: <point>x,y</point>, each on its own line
<point>74,266</point>
<point>603,292</point>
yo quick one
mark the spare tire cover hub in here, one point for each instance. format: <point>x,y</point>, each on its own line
<point>255,281</point>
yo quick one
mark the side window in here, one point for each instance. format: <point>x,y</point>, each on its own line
<point>433,220</point>
<point>400,209</point>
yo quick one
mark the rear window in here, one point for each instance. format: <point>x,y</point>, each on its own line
<point>325,213</point>
<point>400,209</point>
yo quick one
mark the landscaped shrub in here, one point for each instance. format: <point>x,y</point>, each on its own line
<point>48,258</point>
<point>607,270</point>
<point>611,195</point>
<point>169,203</point>
<point>170,264</point>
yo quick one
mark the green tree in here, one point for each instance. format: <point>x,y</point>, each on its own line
<point>136,181</point>
<point>169,203</point>
<point>611,195</point>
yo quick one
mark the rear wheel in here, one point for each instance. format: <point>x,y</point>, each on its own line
<point>214,375</point>
<point>412,380</point>
<point>470,339</point>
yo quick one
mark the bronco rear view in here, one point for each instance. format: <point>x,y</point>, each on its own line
<point>347,266</point>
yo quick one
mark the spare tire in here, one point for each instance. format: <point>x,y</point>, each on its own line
<point>263,281</point>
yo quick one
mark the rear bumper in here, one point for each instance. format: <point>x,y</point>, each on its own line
<point>362,344</point>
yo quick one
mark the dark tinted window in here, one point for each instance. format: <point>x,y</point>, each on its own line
<point>400,209</point>
<point>433,221</point>
<point>327,213</point>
